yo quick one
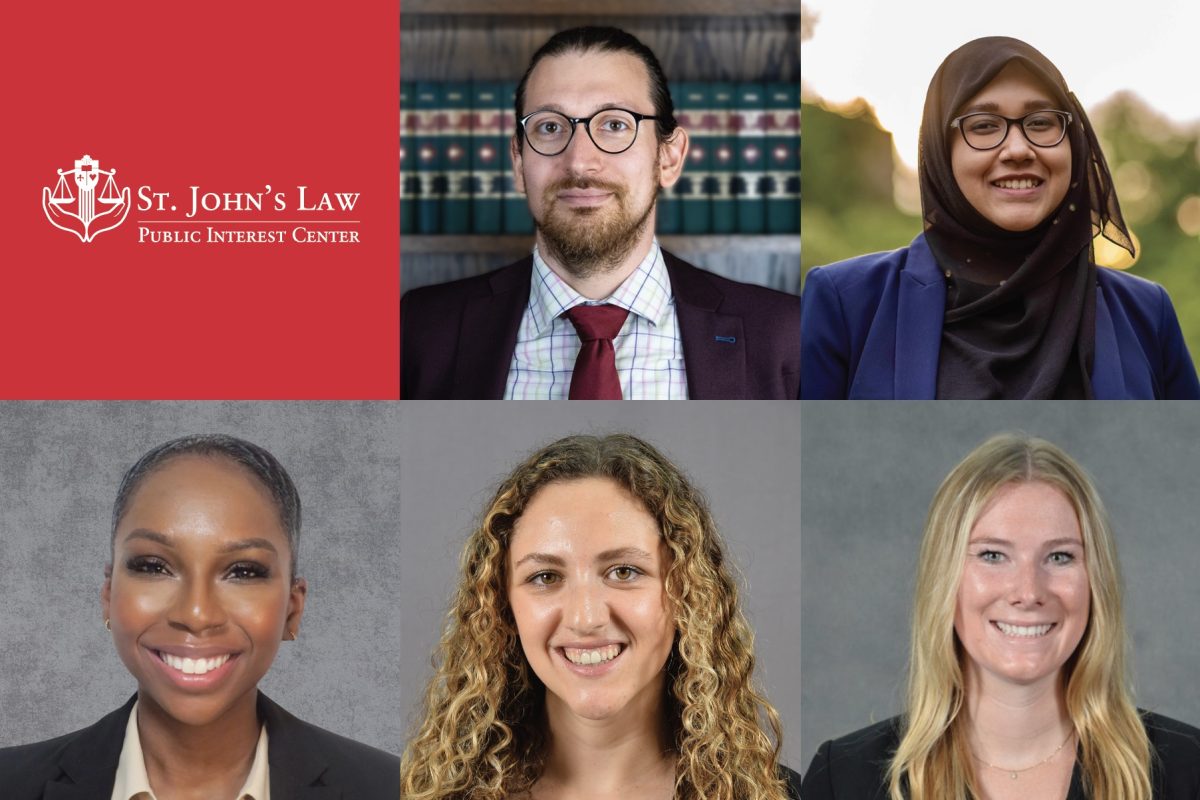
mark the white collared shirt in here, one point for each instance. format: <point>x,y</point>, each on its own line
<point>134,784</point>
<point>649,351</point>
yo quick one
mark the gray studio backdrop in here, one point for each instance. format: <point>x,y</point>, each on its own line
<point>745,456</point>
<point>870,470</point>
<point>60,464</point>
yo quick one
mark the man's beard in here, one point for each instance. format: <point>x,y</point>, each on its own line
<point>591,241</point>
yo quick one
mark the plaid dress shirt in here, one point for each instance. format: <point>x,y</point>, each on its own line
<point>648,348</point>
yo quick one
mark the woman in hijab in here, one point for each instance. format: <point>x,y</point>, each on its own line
<point>1017,685</point>
<point>1000,296</point>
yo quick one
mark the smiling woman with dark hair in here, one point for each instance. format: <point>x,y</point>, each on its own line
<point>200,593</point>
<point>1000,296</point>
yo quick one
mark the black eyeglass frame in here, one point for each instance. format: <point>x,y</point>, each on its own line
<point>1008,122</point>
<point>587,126</point>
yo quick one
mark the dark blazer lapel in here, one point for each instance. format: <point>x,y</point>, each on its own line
<point>89,763</point>
<point>920,309</point>
<point>297,762</point>
<point>714,347</point>
<point>488,335</point>
<point>1108,379</point>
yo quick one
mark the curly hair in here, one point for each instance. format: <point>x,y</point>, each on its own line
<point>933,760</point>
<point>483,733</point>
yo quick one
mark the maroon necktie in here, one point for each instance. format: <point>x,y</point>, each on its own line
<point>595,374</point>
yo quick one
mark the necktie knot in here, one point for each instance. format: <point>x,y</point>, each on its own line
<point>597,322</point>
<point>595,375</point>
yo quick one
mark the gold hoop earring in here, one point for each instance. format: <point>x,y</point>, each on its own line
<point>107,627</point>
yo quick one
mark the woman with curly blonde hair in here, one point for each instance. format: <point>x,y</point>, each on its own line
<point>1017,685</point>
<point>595,646</point>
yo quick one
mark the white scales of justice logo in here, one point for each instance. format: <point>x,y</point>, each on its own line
<point>76,212</point>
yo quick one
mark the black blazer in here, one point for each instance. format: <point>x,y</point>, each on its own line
<point>853,767</point>
<point>740,342</point>
<point>307,763</point>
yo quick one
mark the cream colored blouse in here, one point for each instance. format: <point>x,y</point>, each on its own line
<point>133,784</point>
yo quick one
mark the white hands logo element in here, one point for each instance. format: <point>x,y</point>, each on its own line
<point>76,212</point>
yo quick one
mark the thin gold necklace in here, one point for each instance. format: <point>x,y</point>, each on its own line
<point>1016,773</point>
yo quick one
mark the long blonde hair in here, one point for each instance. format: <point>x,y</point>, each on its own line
<point>933,760</point>
<point>483,733</point>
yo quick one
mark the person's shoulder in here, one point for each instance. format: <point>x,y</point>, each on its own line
<point>1176,746</point>
<point>1128,286</point>
<point>791,781</point>
<point>853,765</point>
<point>26,769</point>
<point>358,765</point>
<point>872,269</point>
<point>509,276</point>
<point>684,276</point>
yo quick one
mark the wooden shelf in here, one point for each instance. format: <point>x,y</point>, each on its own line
<point>784,244</point>
<point>602,8</point>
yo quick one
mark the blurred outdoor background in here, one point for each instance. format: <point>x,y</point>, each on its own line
<point>1134,66</point>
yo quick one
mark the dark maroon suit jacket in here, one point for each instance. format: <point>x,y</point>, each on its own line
<point>740,342</point>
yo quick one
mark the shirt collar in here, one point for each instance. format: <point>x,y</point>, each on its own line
<point>132,780</point>
<point>646,292</point>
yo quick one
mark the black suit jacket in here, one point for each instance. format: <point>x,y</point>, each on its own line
<point>740,342</point>
<point>853,767</point>
<point>307,763</point>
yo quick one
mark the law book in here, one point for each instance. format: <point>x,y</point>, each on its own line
<point>430,117</point>
<point>410,184</point>
<point>724,160</point>
<point>517,218</point>
<point>749,183</point>
<point>783,158</point>
<point>456,141</point>
<point>488,143</point>
<point>691,194</point>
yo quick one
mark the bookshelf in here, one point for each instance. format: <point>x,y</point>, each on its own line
<point>702,40</point>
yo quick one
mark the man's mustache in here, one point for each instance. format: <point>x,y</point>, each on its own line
<point>583,183</point>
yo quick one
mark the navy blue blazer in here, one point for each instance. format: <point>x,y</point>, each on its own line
<point>307,763</point>
<point>872,329</point>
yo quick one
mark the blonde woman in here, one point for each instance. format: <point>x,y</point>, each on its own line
<point>1017,685</point>
<point>595,647</point>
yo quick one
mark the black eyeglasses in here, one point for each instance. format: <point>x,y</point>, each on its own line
<point>613,130</point>
<point>987,131</point>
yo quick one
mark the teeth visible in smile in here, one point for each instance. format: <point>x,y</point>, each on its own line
<point>1024,630</point>
<point>193,666</point>
<point>1024,183</point>
<point>588,657</point>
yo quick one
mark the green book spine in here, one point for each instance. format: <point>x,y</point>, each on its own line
<point>487,158</point>
<point>724,161</point>
<point>783,158</point>
<point>517,218</point>
<point>410,184</point>
<point>456,154</point>
<point>695,115</point>
<point>749,184</point>
<point>430,116</point>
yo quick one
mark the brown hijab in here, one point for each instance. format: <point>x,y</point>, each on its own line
<point>1033,335</point>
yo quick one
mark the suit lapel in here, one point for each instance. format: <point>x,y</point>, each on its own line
<point>1108,380</point>
<point>714,347</point>
<point>488,335</point>
<point>89,763</point>
<point>298,764</point>
<point>920,309</point>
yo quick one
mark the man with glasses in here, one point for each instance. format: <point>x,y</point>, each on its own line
<point>599,310</point>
